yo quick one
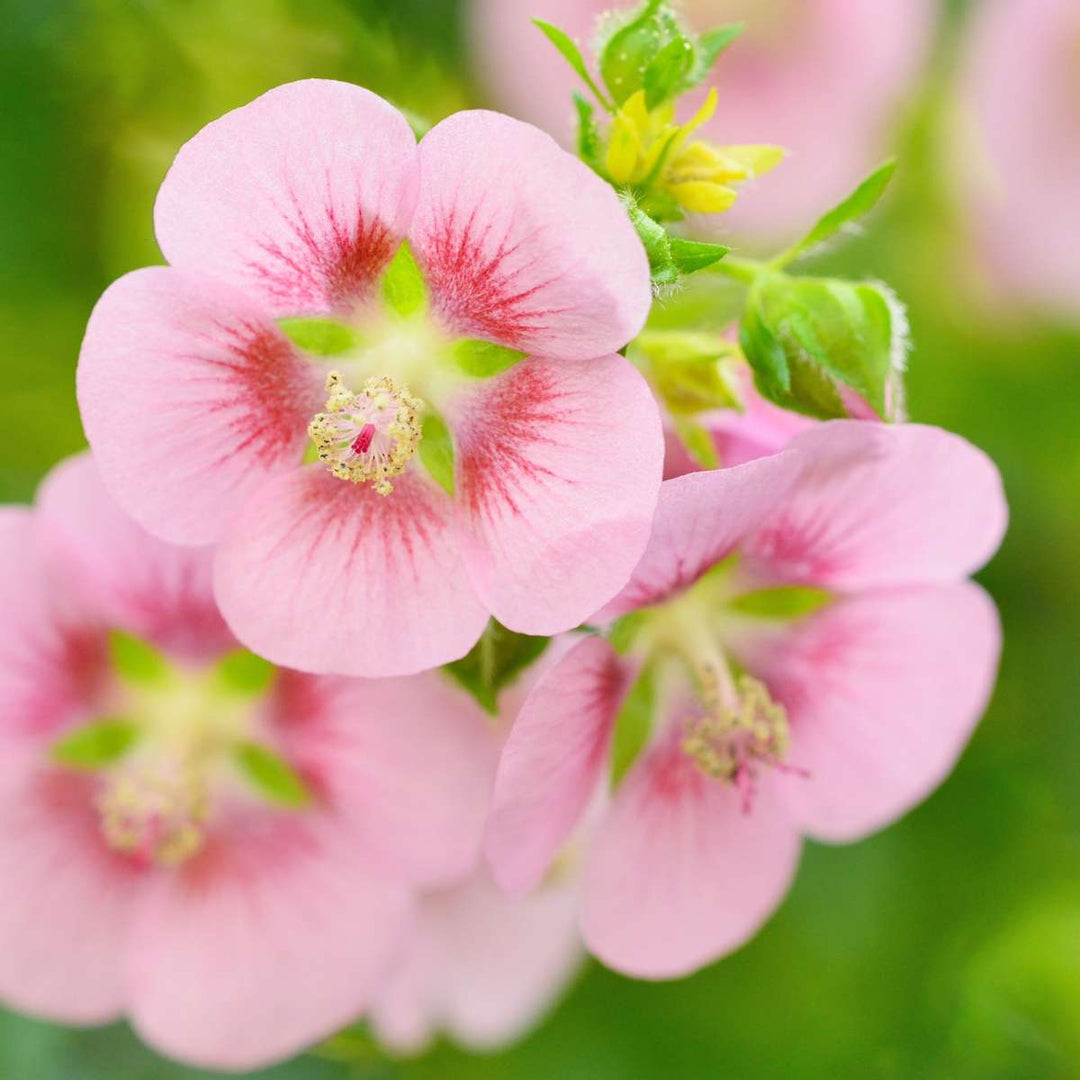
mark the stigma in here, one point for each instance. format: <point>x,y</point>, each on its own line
<point>369,436</point>
<point>732,740</point>
<point>155,817</point>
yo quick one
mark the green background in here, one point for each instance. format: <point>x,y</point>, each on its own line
<point>947,946</point>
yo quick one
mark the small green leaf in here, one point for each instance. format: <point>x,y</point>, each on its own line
<point>95,745</point>
<point>494,662</point>
<point>784,602</point>
<point>321,337</point>
<point>692,255</point>
<point>243,672</point>
<point>633,725</point>
<point>709,47</point>
<point>657,243</point>
<point>627,54</point>
<point>271,775</point>
<point>589,143</point>
<point>667,71</point>
<point>136,661</point>
<point>437,451</point>
<point>572,55</point>
<point>403,286</point>
<point>860,202</point>
<point>483,359</point>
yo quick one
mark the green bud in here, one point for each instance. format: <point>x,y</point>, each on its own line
<point>818,345</point>
<point>690,371</point>
<point>631,48</point>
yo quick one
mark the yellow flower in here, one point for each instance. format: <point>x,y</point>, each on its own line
<point>649,150</point>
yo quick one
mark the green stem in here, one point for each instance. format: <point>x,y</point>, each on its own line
<point>744,270</point>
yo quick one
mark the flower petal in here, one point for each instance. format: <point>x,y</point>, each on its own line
<point>523,244</point>
<point>299,198</point>
<point>191,397</point>
<point>481,966</point>
<point>52,650</point>
<point>884,504</point>
<point>883,692</point>
<point>328,576</point>
<point>409,761</point>
<point>700,519</point>
<point>552,763</point>
<point>136,582</point>
<point>275,936</point>
<point>66,900</point>
<point>558,468</point>
<point>677,875</point>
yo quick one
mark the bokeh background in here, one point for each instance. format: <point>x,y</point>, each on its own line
<point>946,947</point>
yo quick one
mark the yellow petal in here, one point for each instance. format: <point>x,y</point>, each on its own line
<point>704,114</point>
<point>755,158</point>
<point>624,147</point>
<point>636,112</point>
<point>702,197</point>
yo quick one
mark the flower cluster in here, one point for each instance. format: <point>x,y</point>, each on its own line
<point>392,407</point>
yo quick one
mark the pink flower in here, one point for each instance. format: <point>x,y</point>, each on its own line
<point>1020,85</point>
<point>198,404</point>
<point>480,965</point>
<point>224,853</point>
<point>823,78</point>
<point>778,710</point>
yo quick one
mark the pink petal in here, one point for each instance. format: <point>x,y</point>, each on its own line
<point>191,398</point>
<point>677,875</point>
<point>557,477</point>
<point>523,244</point>
<point>327,576</point>
<point>135,581</point>
<point>883,504</point>
<point>883,692</point>
<point>66,900</point>
<point>409,762</point>
<point>52,650</point>
<point>481,966</point>
<point>299,198</point>
<point>274,937</point>
<point>702,518</point>
<point>553,762</point>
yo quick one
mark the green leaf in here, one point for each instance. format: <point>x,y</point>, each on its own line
<point>692,255</point>
<point>784,602</point>
<point>633,725</point>
<point>667,71</point>
<point>271,775</point>
<point>709,47</point>
<point>403,286</point>
<point>494,662</point>
<point>437,451</point>
<point>629,51</point>
<point>242,672</point>
<point>572,55</point>
<point>136,661</point>
<point>95,745</point>
<point>483,359</point>
<point>321,337</point>
<point>654,237</point>
<point>589,143</point>
<point>860,202</point>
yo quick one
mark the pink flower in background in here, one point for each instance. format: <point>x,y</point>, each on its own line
<point>198,404</point>
<point>223,853</point>
<point>817,663</point>
<point>480,966</point>
<point>823,78</point>
<point>1020,85</point>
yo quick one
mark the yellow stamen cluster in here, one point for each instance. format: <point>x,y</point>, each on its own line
<point>650,150</point>
<point>156,817</point>
<point>389,408</point>
<point>725,739</point>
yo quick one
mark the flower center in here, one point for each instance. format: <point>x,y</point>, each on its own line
<point>157,816</point>
<point>735,734</point>
<point>368,436</point>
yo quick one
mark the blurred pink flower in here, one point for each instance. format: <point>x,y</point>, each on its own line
<point>164,881</point>
<point>829,721</point>
<point>823,78</point>
<point>198,405</point>
<point>480,966</point>
<point>1020,84</point>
